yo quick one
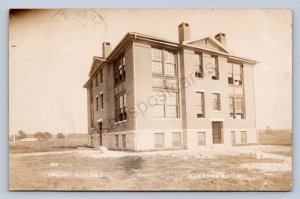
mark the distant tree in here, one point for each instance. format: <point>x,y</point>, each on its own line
<point>60,136</point>
<point>71,135</point>
<point>21,135</point>
<point>47,135</point>
<point>268,130</point>
<point>39,136</point>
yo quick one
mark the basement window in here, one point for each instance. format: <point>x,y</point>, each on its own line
<point>159,141</point>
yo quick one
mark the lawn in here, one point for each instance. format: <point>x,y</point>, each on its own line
<point>70,171</point>
<point>275,137</point>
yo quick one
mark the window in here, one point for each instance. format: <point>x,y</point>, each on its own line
<point>235,74</point>
<point>237,70</point>
<point>124,141</point>
<point>216,102</point>
<point>163,62</point>
<point>201,139</point>
<point>215,68</point>
<point>96,81</point>
<point>166,85</point>
<point>177,139</point>
<point>236,106</point>
<point>239,107</point>
<point>117,141</point>
<point>231,107</point>
<point>119,70</point>
<point>120,108</point>
<point>101,75</point>
<point>165,104</point>
<point>159,141</point>
<point>97,103</point>
<point>230,73</point>
<point>198,65</point>
<point>101,100</point>
<point>91,106</point>
<point>200,105</point>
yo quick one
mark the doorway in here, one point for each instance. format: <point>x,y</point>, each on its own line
<point>217,131</point>
<point>100,133</point>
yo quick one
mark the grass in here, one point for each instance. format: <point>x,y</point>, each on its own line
<point>161,172</point>
<point>46,146</point>
<point>287,153</point>
<point>29,149</point>
<point>275,137</point>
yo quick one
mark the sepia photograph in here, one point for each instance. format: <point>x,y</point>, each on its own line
<point>150,99</point>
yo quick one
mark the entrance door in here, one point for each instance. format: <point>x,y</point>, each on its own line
<point>217,130</point>
<point>100,133</point>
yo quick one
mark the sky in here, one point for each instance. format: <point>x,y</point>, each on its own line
<point>51,52</point>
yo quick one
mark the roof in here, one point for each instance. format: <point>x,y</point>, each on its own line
<point>212,45</point>
<point>211,42</point>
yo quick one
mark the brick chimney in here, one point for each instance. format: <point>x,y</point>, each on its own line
<point>106,49</point>
<point>183,32</point>
<point>221,37</point>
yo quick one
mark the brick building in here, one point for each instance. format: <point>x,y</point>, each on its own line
<point>150,93</point>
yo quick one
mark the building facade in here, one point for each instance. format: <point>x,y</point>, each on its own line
<point>150,93</point>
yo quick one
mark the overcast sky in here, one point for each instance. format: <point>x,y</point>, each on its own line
<point>51,52</point>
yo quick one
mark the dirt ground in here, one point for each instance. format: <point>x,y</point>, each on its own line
<point>243,168</point>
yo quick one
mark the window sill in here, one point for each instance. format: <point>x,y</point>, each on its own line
<point>163,118</point>
<point>217,111</point>
<point>120,82</point>
<point>237,119</point>
<point>120,122</point>
<point>163,75</point>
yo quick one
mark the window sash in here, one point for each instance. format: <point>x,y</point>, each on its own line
<point>97,103</point>
<point>101,101</point>
<point>239,105</point>
<point>101,75</point>
<point>163,62</point>
<point>216,102</point>
<point>198,62</point>
<point>215,67</point>
<point>119,70</point>
<point>120,108</point>
<point>235,73</point>
<point>236,106</point>
<point>165,104</point>
<point>200,104</point>
<point>170,69</point>
<point>157,67</point>
<point>171,111</point>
